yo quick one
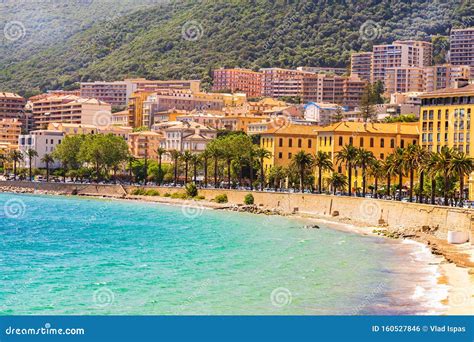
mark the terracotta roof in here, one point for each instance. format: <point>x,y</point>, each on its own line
<point>10,95</point>
<point>292,129</point>
<point>374,128</point>
<point>466,90</point>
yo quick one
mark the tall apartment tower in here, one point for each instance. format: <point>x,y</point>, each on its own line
<point>462,46</point>
<point>400,54</point>
<point>361,64</point>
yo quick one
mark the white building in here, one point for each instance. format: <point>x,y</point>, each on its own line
<point>321,113</point>
<point>43,142</point>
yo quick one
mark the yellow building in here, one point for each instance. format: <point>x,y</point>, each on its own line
<point>379,138</point>
<point>445,117</point>
<point>135,108</point>
<point>284,142</point>
<point>72,129</point>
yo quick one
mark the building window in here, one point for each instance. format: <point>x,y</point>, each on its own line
<point>392,143</point>
<point>382,156</point>
<point>280,155</point>
<point>325,141</point>
<point>351,141</point>
<point>382,142</point>
<point>290,142</point>
<point>299,143</point>
<point>341,141</point>
<point>361,142</point>
<point>289,155</point>
<point>280,142</point>
<point>310,142</point>
<point>371,142</point>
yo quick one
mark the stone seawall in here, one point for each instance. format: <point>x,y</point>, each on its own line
<point>436,220</point>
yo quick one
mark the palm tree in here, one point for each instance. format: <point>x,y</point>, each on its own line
<point>3,159</point>
<point>347,155</point>
<point>205,155</point>
<point>461,165</point>
<point>395,163</point>
<point>363,159</point>
<point>376,170</point>
<point>214,153</point>
<point>322,160</point>
<point>195,159</point>
<point>261,154</point>
<point>186,156</point>
<point>443,164</point>
<point>47,159</point>
<point>422,157</point>
<point>31,153</point>
<point>302,161</point>
<point>389,172</point>
<point>277,173</point>
<point>432,172</point>
<point>130,160</point>
<point>337,181</point>
<point>227,154</point>
<point>410,164</point>
<point>175,155</point>
<point>251,155</point>
<point>160,151</point>
<point>16,157</point>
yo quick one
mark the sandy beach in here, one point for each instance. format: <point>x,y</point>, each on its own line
<point>452,265</point>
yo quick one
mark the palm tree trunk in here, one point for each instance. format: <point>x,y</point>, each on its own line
<point>205,172</point>
<point>389,179</point>
<point>461,189</point>
<point>363,181</point>
<point>400,180</point>
<point>320,181</point>
<point>251,174</point>
<point>130,172</point>
<point>240,175</point>
<point>262,177</point>
<point>47,172</point>
<point>412,176</point>
<point>186,166</point>
<point>446,188</point>
<point>228,174</point>
<point>349,186</point>
<point>195,173</point>
<point>376,187</point>
<point>30,169</point>
<point>422,185</point>
<point>160,170</point>
<point>301,179</point>
<point>215,172</point>
<point>14,169</point>
<point>175,172</point>
<point>433,190</point>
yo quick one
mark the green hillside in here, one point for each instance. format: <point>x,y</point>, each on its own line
<point>149,42</point>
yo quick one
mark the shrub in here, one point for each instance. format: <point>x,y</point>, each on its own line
<point>167,194</point>
<point>191,190</point>
<point>221,198</point>
<point>138,192</point>
<point>179,195</point>
<point>249,200</point>
<point>200,197</point>
<point>152,192</point>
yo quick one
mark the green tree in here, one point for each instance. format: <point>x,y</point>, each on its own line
<point>348,155</point>
<point>461,165</point>
<point>303,161</point>
<point>30,154</point>
<point>338,181</point>
<point>175,156</point>
<point>16,157</point>
<point>364,159</point>
<point>186,157</point>
<point>323,162</point>
<point>160,152</point>
<point>261,154</point>
<point>47,159</point>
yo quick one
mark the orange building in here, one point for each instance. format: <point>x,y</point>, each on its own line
<point>238,80</point>
<point>10,130</point>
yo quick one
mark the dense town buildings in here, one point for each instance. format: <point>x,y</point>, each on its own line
<point>238,80</point>
<point>361,65</point>
<point>43,142</point>
<point>10,130</point>
<point>462,47</point>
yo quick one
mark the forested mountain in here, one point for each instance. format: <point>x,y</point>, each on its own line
<point>187,39</point>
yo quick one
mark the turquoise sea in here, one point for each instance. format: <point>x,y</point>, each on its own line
<point>68,255</point>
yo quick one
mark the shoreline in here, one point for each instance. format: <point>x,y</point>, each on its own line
<point>448,272</point>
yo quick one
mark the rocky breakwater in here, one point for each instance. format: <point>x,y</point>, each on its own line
<point>255,209</point>
<point>24,190</point>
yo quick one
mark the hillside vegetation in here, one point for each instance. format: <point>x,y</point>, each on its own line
<point>187,39</point>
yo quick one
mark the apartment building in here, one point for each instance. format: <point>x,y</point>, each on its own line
<point>379,138</point>
<point>70,109</point>
<point>323,70</point>
<point>320,113</point>
<point>238,80</point>
<point>43,142</point>
<point>286,141</point>
<point>277,82</point>
<point>361,65</point>
<point>117,93</point>
<point>10,130</point>
<point>399,54</point>
<point>11,106</point>
<point>72,129</point>
<point>403,80</point>
<point>462,47</point>
<point>445,120</point>
<point>144,144</point>
<point>444,76</point>
<point>113,93</point>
